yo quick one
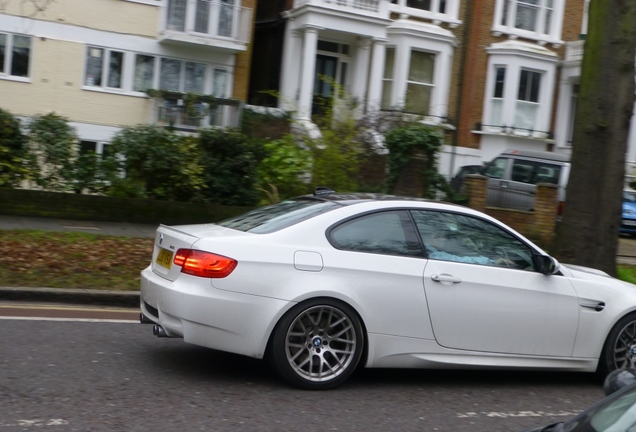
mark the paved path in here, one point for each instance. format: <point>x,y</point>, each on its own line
<point>51,224</point>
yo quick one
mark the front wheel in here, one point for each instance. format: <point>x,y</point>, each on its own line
<point>318,344</point>
<point>619,351</point>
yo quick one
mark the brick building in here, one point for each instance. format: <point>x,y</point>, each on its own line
<point>495,74</point>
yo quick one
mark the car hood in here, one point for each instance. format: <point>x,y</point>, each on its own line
<point>595,276</point>
<point>581,272</point>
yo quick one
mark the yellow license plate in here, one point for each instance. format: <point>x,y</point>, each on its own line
<point>164,258</point>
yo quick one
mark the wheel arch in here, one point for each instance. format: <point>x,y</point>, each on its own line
<point>272,331</point>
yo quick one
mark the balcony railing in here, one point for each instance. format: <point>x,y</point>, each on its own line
<point>205,22</point>
<point>221,113</point>
<point>366,7</point>
<point>574,50</point>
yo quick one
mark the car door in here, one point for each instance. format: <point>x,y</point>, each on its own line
<point>493,306</point>
<point>379,264</point>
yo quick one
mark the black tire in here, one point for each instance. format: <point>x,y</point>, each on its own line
<point>619,351</point>
<point>318,344</point>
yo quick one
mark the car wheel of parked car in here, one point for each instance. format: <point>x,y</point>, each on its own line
<point>317,344</point>
<point>619,351</point>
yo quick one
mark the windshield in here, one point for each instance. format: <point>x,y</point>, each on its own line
<point>613,414</point>
<point>278,216</point>
<point>629,196</point>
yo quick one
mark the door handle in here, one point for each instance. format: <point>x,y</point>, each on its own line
<point>445,278</point>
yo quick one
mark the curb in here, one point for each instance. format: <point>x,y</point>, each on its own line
<point>89,297</point>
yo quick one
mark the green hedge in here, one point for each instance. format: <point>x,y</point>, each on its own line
<point>20,202</point>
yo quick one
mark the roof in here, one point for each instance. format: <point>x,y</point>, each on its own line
<point>538,155</point>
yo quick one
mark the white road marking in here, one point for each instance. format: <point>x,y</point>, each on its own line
<point>504,414</point>
<point>35,423</point>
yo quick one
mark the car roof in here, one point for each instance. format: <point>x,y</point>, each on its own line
<point>322,194</point>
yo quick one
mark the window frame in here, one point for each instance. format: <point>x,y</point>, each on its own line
<point>461,219</point>
<point>412,242</point>
<point>429,86</point>
<point>449,15</point>
<point>8,57</point>
<point>105,69</point>
<point>517,57</point>
<point>506,14</point>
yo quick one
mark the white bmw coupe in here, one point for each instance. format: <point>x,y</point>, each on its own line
<point>322,284</point>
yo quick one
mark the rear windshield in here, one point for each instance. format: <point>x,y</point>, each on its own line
<point>278,216</point>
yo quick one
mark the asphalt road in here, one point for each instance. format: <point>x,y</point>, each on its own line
<point>77,372</point>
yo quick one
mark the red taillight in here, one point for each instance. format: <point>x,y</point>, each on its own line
<point>204,264</point>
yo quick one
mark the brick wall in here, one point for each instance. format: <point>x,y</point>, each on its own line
<point>538,225</point>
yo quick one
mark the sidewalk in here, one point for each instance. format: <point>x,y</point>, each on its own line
<point>106,228</point>
<point>626,254</point>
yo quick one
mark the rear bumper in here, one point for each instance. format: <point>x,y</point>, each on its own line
<point>191,308</point>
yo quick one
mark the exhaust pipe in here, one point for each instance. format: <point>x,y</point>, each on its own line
<point>143,319</point>
<point>158,331</point>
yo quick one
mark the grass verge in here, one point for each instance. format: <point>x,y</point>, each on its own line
<point>32,258</point>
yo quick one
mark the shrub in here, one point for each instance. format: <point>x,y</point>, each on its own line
<point>13,151</point>
<point>53,145</point>
<point>229,161</point>
<point>156,163</point>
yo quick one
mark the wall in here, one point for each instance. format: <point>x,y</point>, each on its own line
<point>538,225</point>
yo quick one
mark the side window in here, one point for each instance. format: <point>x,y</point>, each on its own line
<point>535,172</point>
<point>496,168</point>
<point>466,239</point>
<point>381,233</point>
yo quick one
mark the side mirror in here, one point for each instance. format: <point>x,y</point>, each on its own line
<point>545,264</point>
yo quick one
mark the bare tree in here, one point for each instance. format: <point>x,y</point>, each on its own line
<point>589,232</point>
<point>28,8</point>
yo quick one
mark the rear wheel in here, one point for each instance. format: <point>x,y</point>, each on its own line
<point>619,351</point>
<point>318,344</point>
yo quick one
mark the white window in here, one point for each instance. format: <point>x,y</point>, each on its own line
<point>527,100</point>
<point>535,19</point>
<point>177,15</point>
<point>519,89</point>
<point>215,18</point>
<point>104,68</point>
<point>439,10</point>
<point>518,112</point>
<point>496,117</point>
<point>387,79</point>
<point>419,85</point>
<point>182,76</point>
<point>15,55</point>
<point>219,83</point>
<point>428,5</point>
<point>144,72</point>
